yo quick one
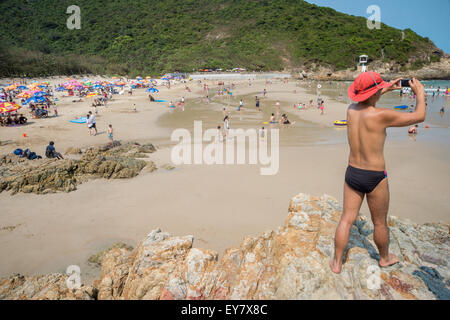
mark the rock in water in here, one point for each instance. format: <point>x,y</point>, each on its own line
<point>289,263</point>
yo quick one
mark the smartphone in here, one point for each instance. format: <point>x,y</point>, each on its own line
<point>405,83</point>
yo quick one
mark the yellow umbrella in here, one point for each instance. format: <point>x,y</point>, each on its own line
<point>91,95</point>
<point>9,107</point>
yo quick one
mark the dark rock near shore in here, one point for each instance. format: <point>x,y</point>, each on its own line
<point>110,161</point>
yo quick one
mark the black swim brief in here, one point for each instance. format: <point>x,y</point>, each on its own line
<point>364,181</point>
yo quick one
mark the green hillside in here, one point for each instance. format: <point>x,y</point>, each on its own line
<point>151,37</point>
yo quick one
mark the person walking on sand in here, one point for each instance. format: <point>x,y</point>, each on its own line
<point>110,133</point>
<point>322,107</point>
<point>366,173</point>
<point>134,107</point>
<point>91,123</point>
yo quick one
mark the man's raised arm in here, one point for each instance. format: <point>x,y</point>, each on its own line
<point>393,118</point>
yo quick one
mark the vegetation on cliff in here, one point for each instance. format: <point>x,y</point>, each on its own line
<point>147,37</point>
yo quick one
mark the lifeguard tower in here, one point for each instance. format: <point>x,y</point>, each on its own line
<point>362,65</point>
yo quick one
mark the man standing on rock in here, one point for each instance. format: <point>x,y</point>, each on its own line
<point>366,174</point>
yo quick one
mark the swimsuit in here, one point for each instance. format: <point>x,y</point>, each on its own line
<point>364,181</point>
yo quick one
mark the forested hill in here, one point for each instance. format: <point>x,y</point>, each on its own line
<point>151,37</point>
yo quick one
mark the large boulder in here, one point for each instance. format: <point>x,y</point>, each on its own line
<point>289,263</point>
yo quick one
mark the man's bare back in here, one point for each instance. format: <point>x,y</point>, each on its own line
<point>366,137</point>
<point>366,129</point>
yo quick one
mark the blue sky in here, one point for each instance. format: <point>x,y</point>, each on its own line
<point>430,18</point>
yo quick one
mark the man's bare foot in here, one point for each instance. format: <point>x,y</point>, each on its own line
<point>391,260</point>
<point>335,267</point>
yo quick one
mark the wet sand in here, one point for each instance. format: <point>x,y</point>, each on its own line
<point>217,204</point>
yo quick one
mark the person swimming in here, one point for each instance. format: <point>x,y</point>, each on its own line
<point>413,129</point>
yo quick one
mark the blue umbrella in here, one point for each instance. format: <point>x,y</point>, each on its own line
<point>152,90</point>
<point>21,87</point>
<point>165,79</point>
<point>40,94</point>
<point>60,89</point>
<point>35,99</point>
<point>42,87</point>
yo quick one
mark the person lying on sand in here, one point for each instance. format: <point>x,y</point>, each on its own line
<point>366,172</point>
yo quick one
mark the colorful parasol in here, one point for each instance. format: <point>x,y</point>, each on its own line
<point>9,107</point>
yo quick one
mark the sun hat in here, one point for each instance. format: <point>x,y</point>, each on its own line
<point>366,85</point>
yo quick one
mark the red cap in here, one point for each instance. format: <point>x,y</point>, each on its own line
<point>366,85</point>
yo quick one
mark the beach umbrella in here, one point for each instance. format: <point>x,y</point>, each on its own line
<point>22,87</point>
<point>40,94</point>
<point>24,95</point>
<point>152,90</point>
<point>9,107</point>
<point>121,83</point>
<point>60,89</point>
<point>35,99</point>
<point>165,79</point>
<point>90,95</point>
<point>98,86</point>
<point>11,87</point>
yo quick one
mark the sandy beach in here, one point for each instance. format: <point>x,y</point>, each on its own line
<point>218,204</point>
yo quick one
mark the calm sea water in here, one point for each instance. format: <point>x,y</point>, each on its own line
<point>439,124</point>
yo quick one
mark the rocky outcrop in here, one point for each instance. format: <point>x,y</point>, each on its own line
<point>289,263</point>
<point>48,287</point>
<point>388,70</point>
<point>111,161</point>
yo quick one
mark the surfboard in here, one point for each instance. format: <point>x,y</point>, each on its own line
<point>79,120</point>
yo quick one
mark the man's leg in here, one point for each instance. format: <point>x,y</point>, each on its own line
<point>352,203</point>
<point>378,201</point>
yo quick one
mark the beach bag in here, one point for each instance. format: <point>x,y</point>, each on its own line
<point>18,152</point>
<point>32,156</point>
<point>25,153</point>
